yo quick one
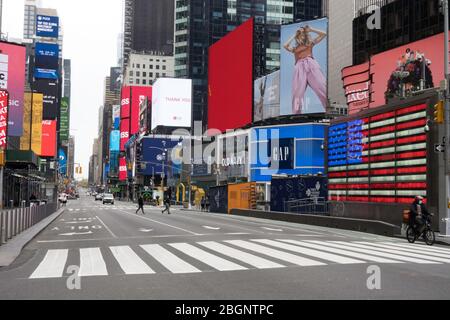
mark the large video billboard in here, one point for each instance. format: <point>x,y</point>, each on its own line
<point>48,148</point>
<point>125,103</point>
<point>3,119</point>
<point>64,129</point>
<point>114,141</point>
<point>12,79</point>
<point>267,97</point>
<point>115,79</point>
<point>155,153</point>
<point>304,66</point>
<point>138,96</point>
<point>47,26</point>
<point>390,73</point>
<point>116,117</point>
<point>46,61</point>
<point>124,133</point>
<point>122,169</point>
<point>172,103</point>
<point>50,91</point>
<point>230,79</point>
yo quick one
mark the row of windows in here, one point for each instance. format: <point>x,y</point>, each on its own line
<point>146,81</point>
<point>144,73</point>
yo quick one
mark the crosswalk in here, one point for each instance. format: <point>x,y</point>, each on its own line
<point>101,208</point>
<point>231,255</point>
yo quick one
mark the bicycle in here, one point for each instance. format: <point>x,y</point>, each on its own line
<point>412,233</point>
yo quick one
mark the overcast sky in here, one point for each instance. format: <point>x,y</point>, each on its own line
<point>91,28</point>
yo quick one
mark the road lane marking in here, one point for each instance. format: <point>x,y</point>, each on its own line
<point>310,252</point>
<point>129,261</point>
<point>245,257</point>
<point>170,261</point>
<point>340,251</point>
<point>52,266</point>
<point>207,258</point>
<point>161,223</point>
<point>211,228</point>
<point>106,227</point>
<point>400,251</point>
<point>92,263</point>
<point>421,247</point>
<point>76,233</point>
<point>352,247</point>
<point>412,249</point>
<point>280,255</point>
<point>272,229</point>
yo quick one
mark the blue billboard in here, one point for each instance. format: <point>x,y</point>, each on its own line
<point>62,161</point>
<point>156,153</point>
<point>47,26</point>
<point>46,61</point>
<point>114,141</point>
<point>287,150</point>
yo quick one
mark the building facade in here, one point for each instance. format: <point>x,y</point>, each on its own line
<point>148,27</point>
<point>71,158</point>
<point>144,69</point>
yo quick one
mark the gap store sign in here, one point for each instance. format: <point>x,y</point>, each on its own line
<point>287,150</point>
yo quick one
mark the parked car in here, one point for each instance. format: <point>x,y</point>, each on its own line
<point>98,197</point>
<point>108,198</point>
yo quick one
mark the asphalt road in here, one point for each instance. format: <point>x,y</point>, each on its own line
<point>95,251</point>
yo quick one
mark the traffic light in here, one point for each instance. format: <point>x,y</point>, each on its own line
<point>438,114</point>
<point>79,170</point>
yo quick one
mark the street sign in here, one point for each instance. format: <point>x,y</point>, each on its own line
<point>439,148</point>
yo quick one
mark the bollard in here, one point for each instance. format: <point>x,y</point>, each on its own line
<point>8,226</point>
<point>1,228</point>
<point>11,204</point>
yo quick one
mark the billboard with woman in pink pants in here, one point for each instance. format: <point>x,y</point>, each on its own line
<point>303,67</point>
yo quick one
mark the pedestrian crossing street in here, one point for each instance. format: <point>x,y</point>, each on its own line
<point>230,255</point>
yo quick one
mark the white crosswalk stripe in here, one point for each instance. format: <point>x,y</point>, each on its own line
<point>421,247</point>
<point>129,261</point>
<point>231,255</point>
<point>92,263</point>
<point>52,266</point>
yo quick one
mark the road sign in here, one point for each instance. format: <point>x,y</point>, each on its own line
<point>439,148</point>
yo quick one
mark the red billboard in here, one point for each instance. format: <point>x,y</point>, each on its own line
<point>125,103</point>
<point>48,147</point>
<point>122,169</point>
<point>3,119</point>
<point>12,79</point>
<point>124,133</point>
<point>230,79</point>
<point>138,96</point>
<point>395,72</point>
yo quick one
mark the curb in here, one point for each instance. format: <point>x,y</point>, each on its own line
<point>12,249</point>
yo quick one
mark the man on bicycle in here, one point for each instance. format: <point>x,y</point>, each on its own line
<point>419,213</point>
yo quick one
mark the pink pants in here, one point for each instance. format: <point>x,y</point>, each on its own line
<point>307,72</point>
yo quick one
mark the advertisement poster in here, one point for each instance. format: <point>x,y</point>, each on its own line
<point>172,103</point>
<point>114,141</point>
<point>116,117</point>
<point>46,61</point>
<point>48,138</point>
<point>64,121</point>
<point>122,169</point>
<point>304,67</point>
<point>267,97</point>
<point>62,156</point>
<point>138,97</point>
<point>47,26</point>
<point>14,82</point>
<point>25,139</point>
<point>50,91</point>
<point>36,123</point>
<point>3,119</point>
<point>124,133</point>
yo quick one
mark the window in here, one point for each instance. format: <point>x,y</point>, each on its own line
<point>157,67</point>
<point>137,81</point>
<point>164,67</point>
<point>144,74</point>
<point>131,73</point>
<point>150,74</point>
<point>157,75</point>
<point>144,81</point>
<point>164,74</point>
<point>138,73</point>
<point>138,65</point>
<point>151,67</point>
<point>143,66</point>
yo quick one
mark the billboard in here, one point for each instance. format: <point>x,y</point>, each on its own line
<point>46,61</point>
<point>62,156</point>
<point>50,91</point>
<point>124,133</point>
<point>115,79</point>
<point>154,154</point>
<point>288,150</point>
<point>266,102</point>
<point>114,141</point>
<point>138,96</point>
<point>36,123</point>
<point>3,119</point>
<point>230,79</point>
<point>125,103</point>
<point>304,66</point>
<point>395,72</point>
<point>48,148</point>
<point>379,158</point>
<point>116,117</point>
<point>25,139</point>
<point>47,26</point>
<point>12,79</point>
<point>172,103</point>
<point>122,169</point>
<point>64,121</point>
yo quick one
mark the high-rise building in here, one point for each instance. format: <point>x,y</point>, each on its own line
<point>71,158</point>
<point>403,21</point>
<point>67,78</point>
<point>310,9</point>
<point>200,23</point>
<point>144,69</point>
<point>29,21</point>
<point>148,27</point>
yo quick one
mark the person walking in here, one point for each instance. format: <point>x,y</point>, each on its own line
<point>203,204</point>
<point>141,205</point>
<point>167,204</point>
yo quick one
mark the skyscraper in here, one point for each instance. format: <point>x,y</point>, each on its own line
<point>67,77</point>
<point>148,27</point>
<point>29,21</point>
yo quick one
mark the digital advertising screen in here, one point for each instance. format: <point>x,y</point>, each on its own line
<point>122,169</point>
<point>230,79</point>
<point>125,103</point>
<point>124,133</point>
<point>155,153</point>
<point>47,26</point>
<point>12,79</point>
<point>46,61</point>
<point>116,117</point>
<point>114,141</point>
<point>304,67</point>
<point>49,89</point>
<point>64,129</point>
<point>266,103</point>
<point>172,103</point>
<point>48,148</point>
<point>138,96</point>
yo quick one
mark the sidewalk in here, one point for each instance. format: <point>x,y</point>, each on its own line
<point>11,250</point>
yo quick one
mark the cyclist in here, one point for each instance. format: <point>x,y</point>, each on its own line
<point>419,213</point>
